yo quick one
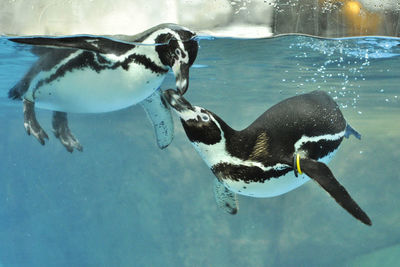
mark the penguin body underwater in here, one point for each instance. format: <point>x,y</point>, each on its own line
<point>92,74</point>
<point>281,150</point>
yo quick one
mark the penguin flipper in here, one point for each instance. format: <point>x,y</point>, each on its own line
<point>160,115</point>
<point>225,199</point>
<point>320,173</point>
<point>91,43</point>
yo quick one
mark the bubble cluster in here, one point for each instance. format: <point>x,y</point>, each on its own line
<point>341,66</point>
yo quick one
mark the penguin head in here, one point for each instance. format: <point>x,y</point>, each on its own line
<point>201,125</point>
<point>177,48</point>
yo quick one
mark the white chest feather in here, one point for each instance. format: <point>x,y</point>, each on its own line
<point>87,91</point>
<point>275,186</point>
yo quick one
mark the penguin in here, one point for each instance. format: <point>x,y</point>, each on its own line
<point>285,147</point>
<point>93,74</point>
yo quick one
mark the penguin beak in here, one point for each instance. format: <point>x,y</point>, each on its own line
<point>182,63</point>
<point>181,72</point>
<point>177,102</point>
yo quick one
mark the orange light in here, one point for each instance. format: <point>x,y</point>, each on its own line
<point>352,8</point>
<point>358,20</point>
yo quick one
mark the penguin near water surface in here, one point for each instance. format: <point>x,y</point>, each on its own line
<point>281,150</point>
<point>92,74</point>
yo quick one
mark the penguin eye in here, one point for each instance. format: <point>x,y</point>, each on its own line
<point>205,117</point>
<point>178,52</point>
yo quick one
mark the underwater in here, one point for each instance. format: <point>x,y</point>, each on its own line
<point>123,201</point>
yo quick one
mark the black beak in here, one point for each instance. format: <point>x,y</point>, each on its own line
<point>177,101</point>
<point>181,72</point>
<point>182,65</point>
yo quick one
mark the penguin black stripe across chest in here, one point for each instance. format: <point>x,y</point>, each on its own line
<point>281,150</point>
<point>92,74</point>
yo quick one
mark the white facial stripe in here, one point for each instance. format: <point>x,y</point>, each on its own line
<point>188,114</point>
<point>329,137</point>
<point>182,59</point>
<point>93,42</point>
<point>154,35</point>
<point>152,38</point>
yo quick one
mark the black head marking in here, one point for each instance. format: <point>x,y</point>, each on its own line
<point>200,125</point>
<point>179,54</point>
<point>202,129</point>
<point>169,48</point>
<point>166,51</point>
<point>191,48</point>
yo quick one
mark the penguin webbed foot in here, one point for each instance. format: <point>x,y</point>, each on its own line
<point>62,132</point>
<point>31,124</point>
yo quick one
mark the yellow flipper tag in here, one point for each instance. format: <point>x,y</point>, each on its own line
<point>298,164</point>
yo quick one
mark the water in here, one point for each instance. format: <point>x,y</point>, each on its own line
<point>123,202</point>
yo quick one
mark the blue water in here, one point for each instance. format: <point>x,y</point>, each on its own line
<point>124,202</point>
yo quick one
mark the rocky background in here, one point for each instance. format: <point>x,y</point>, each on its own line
<point>235,18</point>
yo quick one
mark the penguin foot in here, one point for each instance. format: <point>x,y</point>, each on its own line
<point>31,125</point>
<point>62,132</point>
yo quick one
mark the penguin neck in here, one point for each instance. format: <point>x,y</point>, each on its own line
<point>234,142</point>
<point>227,131</point>
<point>212,150</point>
<point>240,144</point>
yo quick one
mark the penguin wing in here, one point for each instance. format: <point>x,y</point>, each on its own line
<point>160,115</point>
<point>91,43</point>
<point>225,199</point>
<point>320,173</point>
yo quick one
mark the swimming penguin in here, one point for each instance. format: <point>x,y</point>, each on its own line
<point>284,147</point>
<point>92,74</point>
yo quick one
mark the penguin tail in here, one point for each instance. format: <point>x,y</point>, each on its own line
<point>351,131</point>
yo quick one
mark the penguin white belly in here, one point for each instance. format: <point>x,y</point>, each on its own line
<point>87,91</point>
<point>274,186</point>
<point>270,188</point>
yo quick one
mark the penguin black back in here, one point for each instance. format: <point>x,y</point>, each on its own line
<point>309,115</point>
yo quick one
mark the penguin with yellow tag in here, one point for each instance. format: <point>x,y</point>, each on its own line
<point>281,150</point>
